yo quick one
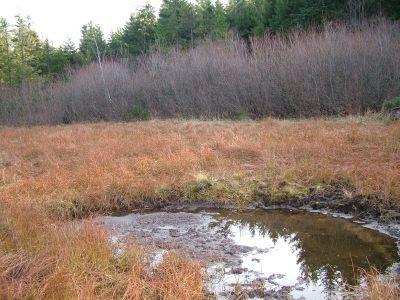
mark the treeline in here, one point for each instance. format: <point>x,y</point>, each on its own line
<point>24,57</point>
<point>179,25</point>
<point>336,70</point>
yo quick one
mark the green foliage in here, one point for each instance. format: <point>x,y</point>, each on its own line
<point>391,104</point>
<point>282,15</point>
<point>244,16</point>
<point>24,57</point>
<point>138,113</point>
<point>92,42</point>
<point>72,54</point>
<point>116,44</point>
<point>26,51</point>
<point>53,60</point>
<point>205,15</point>
<point>175,26</point>
<point>211,20</point>
<point>6,60</point>
<point>220,21</point>
<point>242,115</point>
<point>139,34</point>
<point>20,52</point>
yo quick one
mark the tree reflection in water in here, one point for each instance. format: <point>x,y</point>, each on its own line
<point>329,250</point>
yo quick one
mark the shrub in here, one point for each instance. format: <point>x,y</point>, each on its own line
<point>242,115</point>
<point>339,70</point>
<point>391,104</point>
<point>137,113</point>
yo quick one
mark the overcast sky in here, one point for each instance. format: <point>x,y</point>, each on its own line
<point>57,20</point>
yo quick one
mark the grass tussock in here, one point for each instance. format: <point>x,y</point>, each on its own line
<point>378,287</point>
<point>52,174</point>
<point>79,263</point>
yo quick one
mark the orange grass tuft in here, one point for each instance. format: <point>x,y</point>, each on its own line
<point>378,287</point>
<point>78,262</point>
<point>178,277</point>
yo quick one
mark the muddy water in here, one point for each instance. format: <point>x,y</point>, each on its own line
<point>288,254</point>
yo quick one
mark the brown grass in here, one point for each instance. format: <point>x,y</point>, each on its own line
<point>50,174</point>
<point>79,263</point>
<point>378,287</point>
<point>107,166</point>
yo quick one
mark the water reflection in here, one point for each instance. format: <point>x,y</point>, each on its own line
<point>320,250</point>
<point>296,253</point>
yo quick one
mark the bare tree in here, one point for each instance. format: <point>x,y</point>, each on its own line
<point>334,72</point>
<point>106,90</point>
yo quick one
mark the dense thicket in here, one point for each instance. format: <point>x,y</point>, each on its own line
<point>340,69</point>
<point>180,24</point>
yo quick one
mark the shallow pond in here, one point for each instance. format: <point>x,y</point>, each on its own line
<point>289,253</point>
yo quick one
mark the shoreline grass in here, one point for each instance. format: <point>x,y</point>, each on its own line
<point>107,166</point>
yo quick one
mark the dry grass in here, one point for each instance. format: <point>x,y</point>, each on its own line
<point>79,263</point>
<point>378,287</point>
<point>50,174</point>
<point>99,167</point>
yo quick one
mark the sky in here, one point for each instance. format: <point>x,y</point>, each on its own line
<point>58,20</point>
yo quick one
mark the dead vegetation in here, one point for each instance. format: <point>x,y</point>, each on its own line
<point>377,287</point>
<point>339,70</point>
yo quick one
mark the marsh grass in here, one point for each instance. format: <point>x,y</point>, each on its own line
<point>79,263</point>
<point>49,175</point>
<point>377,286</point>
<point>110,166</point>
